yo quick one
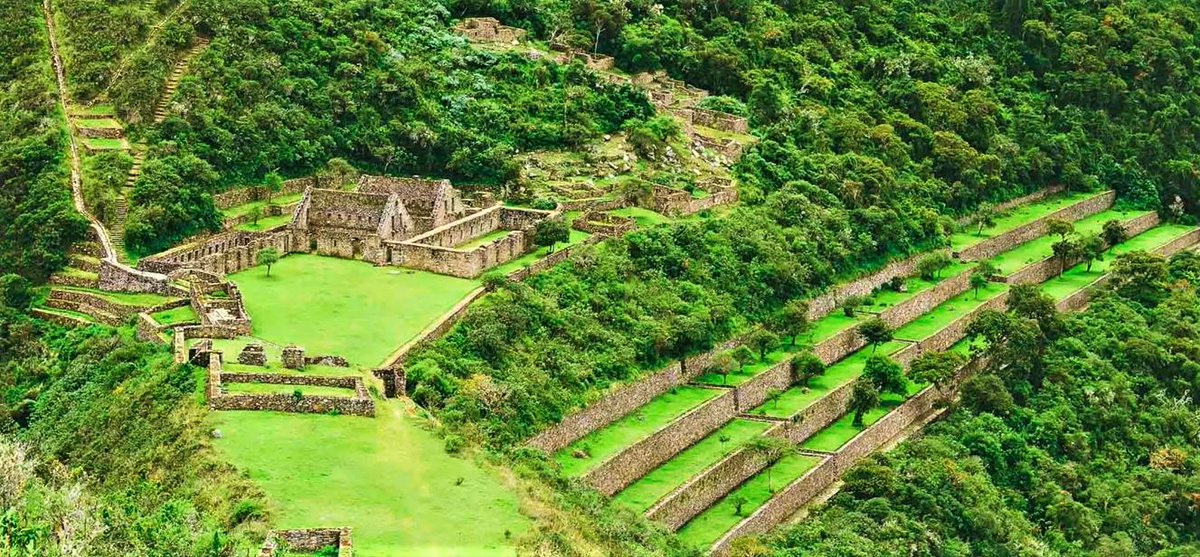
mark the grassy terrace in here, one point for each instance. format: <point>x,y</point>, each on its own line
<point>69,313</point>
<point>342,307</point>
<point>98,124</point>
<point>102,144</point>
<point>947,312</point>
<point>843,430</point>
<point>887,297</point>
<point>609,440</point>
<point>274,389</point>
<point>709,526</point>
<point>175,316</point>
<point>97,110</point>
<point>796,399</point>
<point>231,347</point>
<point>527,259</point>
<point>123,298</point>
<point>265,223</point>
<point>1078,276</point>
<point>485,239</point>
<point>1041,248</point>
<point>246,208</point>
<point>643,217</point>
<point>1015,217</point>
<point>642,494</point>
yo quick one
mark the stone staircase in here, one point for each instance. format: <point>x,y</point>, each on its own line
<point>164,102</point>
<point>117,231</point>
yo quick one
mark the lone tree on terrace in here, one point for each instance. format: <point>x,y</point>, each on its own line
<point>550,232</point>
<point>863,399</point>
<point>1066,250</point>
<point>850,304</point>
<point>983,273</point>
<point>268,257</point>
<point>886,375</point>
<point>722,363</point>
<point>792,320</point>
<point>930,267</point>
<point>255,214</point>
<point>1113,233</point>
<point>936,368</point>
<point>985,215</point>
<point>875,332</point>
<point>770,449</point>
<point>1060,228</point>
<point>762,341</point>
<point>743,356</point>
<point>1092,249</point>
<point>805,367</point>
<point>272,182</point>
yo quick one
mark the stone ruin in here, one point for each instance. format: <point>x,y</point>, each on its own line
<point>565,54</point>
<point>252,355</point>
<point>308,540</point>
<point>293,357</point>
<point>488,30</point>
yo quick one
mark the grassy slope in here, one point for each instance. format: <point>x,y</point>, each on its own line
<point>348,308</point>
<point>1014,218</point>
<point>1078,277</point>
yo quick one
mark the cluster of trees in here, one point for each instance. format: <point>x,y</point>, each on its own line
<point>102,448</point>
<point>37,222</point>
<point>1081,437</point>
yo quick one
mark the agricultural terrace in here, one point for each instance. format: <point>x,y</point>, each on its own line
<point>1043,247</point>
<point>1015,217</point>
<point>1079,276</point>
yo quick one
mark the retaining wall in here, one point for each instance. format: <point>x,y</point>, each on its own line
<point>1012,203</point>
<point>358,405</point>
<point>948,335</point>
<point>1050,267</point>
<point>308,540</point>
<point>826,303</point>
<point>990,247</point>
<point>118,278</point>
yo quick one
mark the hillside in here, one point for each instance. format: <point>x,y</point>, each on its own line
<point>599,277</point>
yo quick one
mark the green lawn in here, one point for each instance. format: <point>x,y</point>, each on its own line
<point>1078,276</point>
<point>826,327</point>
<point>525,260</point>
<point>485,239</point>
<point>642,494</point>
<point>98,123</point>
<point>276,389</point>
<point>643,217</point>
<point>887,298</point>
<point>70,313</point>
<point>343,307</point>
<point>611,439</point>
<point>947,312</point>
<point>796,399</point>
<point>843,430</point>
<point>123,298</point>
<point>94,110</point>
<point>704,530</point>
<point>1016,217</point>
<point>741,375</point>
<point>265,223</point>
<point>387,477</point>
<point>245,208</point>
<point>175,316</point>
<point>102,144</point>
<point>1041,248</point>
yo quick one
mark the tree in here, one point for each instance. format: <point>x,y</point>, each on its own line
<point>770,449</point>
<point>551,231</point>
<point>721,364</point>
<point>773,395</point>
<point>886,375</point>
<point>805,367</point>
<point>268,257</point>
<point>335,174</point>
<point>985,216</point>
<point>936,368</point>
<point>762,341</point>
<point>850,304</point>
<point>930,267</point>
<point>255,214</point>
<point>792,320</point>
<point>981,275</point>
<point>272,182</point>
<point>1060,228</point>
<point>1141,276</point>
<point>875,332</point>
<point>603,17</point>
<point>986,392</point>
<point>16,292</point>
<point>743,356</point>
<point>1113,233</point>
<point>863,399</point>
<point>1065,250</point>
<point>1092,249</point>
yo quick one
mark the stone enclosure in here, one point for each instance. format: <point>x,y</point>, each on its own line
<point>357,404</point>
<point>488,30</point>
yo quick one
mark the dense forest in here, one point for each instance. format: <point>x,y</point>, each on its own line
<point>37,222</point>
<point>1082,439</point>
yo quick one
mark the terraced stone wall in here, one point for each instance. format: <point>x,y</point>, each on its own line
<point>991,247</point>
<point>823,305</point>
<point>950,334</point>
<point>118,278</point>
<point>1051,267</point>
<point>309,540</point>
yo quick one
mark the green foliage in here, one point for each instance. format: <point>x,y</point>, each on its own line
<point>551,231</point>
<point>885,375</point>
<point>37,221</point>
<point>1141,276</point>
<point>762,341</point>
<point>267,257</point>
<point>875,332</point>
<point>15,292</point>
<point>104,175</point>
<point>863,398</point>
<point>930,266</point>
<point>650,138</point>
<point>806,366</point>
<point>170,202</point>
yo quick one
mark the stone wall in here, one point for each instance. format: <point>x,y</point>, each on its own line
<point>990,247</point>
<point>220,254</point>
<point>1051,267</point>
<point>594,222</point>
<point>58,318</point>
<point>678,203</point>
<point>434,251</point>
<point>638,459</point>
<point>124,311</point>
<point>719,120</point>
<point>308,540</point>
<point>148,330</point>
<point>119,278</point>
<point>826,303</point>
<point>1017,202</point>
<point>249,194</point>
<point>950,334</point>
<point>488,30</point>
<point>434,331</point>
<point>360,404</point>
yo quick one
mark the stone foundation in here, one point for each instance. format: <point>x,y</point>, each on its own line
<point>360,404</point>
<point>252,355</point>
<point>293,357</point>
<point>308,540</point>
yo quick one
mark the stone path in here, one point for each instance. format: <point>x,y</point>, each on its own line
<point>164,102</point>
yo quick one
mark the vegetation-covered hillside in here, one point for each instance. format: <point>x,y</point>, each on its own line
<point>1093,448</point>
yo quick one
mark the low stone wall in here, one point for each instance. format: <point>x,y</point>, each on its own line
<point>97,315</point>
<point>147,330</point>
<point>434,331</point>
<point>1051,267</point>
<point>118,278</point>
<point>948,335</point>
<point>989,248</point>
<point>58,319</point>
<point>1079,300</point>
<point>124,311</point>
<point>435,250</point>
<point>836,347</point>
<point>919,304</point>
<point>640,458</point>
<point>61,279</point>
<point>719,121</point>
<point>249,194</point>
<point>309,540</point>
<point>358,405</point>
<point>488,30</point>
<point>679,203</point>
<point>594,222</point>
<point>220,254</point>
<point>826,303</point>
